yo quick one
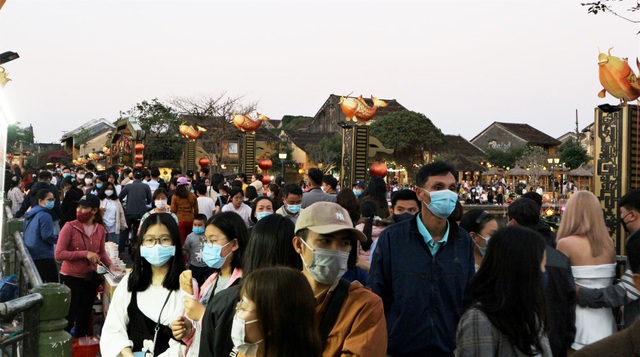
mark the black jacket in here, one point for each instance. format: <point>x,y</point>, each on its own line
<point>31,201</point>
<point>561,302</point>
<point>215,339</point>
<point>69,205</point>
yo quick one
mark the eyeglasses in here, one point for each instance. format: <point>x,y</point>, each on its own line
<point>240,308</point>
<point>165,241</point>
<point>210,241</point>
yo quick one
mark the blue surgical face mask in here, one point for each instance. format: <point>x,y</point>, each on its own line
<point>402,217</point>
<point>357,192</point>
<point>483,250</point>
<point>261,215</point>
<point>98,185</point>
<point>66,174</point>
<point>49,205</point>
<point>211,255</point>
<point>443,202</point>
<point>294,208</point>
<point>157,255</point>
<point>198,230</point>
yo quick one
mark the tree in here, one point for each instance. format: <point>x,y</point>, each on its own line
<point>534,158</point>
<point>409,134</point>
<point>573,154</point>
<point>17,135</point>
<point>603,6</point>
<point>504,157</point>
<point>214,114</point>
<point>327,151</point>
<point>160,123</point>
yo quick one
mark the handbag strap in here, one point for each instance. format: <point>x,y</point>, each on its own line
<point>333,310</point>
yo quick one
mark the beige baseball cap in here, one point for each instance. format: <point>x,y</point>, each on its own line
<point>327,218</point>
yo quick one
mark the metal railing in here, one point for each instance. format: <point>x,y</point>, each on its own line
<point>26,307</point>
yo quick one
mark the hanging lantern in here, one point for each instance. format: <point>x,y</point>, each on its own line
<point>301,171</point>
<point>139,147</point>
<point>138,165</point>
<point>27,153</point>
<point>266,180</point>
<point>204,161</point>
<point>378,169</point>
<point>265,164</point>
<point>9,156</point>
<point>138,157</point>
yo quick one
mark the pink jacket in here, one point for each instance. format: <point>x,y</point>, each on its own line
<point>71,248</point>
<point>375,233</point>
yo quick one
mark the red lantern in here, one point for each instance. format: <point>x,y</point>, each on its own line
<point>138,157</point>
<point>265,164</point>
<point>9,156</point>
<point>139,147</point>
<point>27,153</point>
<point>266,180</point>
<point>378,169</point>
<point>138,165</point>
<point>204,161</point>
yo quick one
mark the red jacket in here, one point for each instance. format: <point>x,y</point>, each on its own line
<point>73,244</point>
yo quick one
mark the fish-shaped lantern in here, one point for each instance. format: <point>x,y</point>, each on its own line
<point>191,132</point>
<point>617,78</point>
<point>247,124</point>
<point>357,109</point>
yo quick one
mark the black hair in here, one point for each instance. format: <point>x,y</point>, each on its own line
<point>525,211</point>
<point>535,197</point>
<point>404,195</point>
<point>205,170</point>
<point>140,278</point>
<point>254,205</point>
<point>368,210</point>
<point>251,193</point>
<point>438,168</point>
<point>331,181</point>
<point>42,194</point>
<point>159,191</point>
<point>315,175</point>
<point>91,166</point>
<point>105,186</point>
<point>88,175</point>
<point>102,177</point>
<point>44,175</point>
<point>202,189</point>
<point>181,191</point>
<point>630,201</point>
<point>474,220</point>
<point>233,226</point>
<point>270,245</point>
<point>236,183</point>
<point>633,253</point>
<point>292,189</point>
<point>200,217</point>
<point>68,181</point>
<point>235,191</point>
<point>348,200</point>
<point>137,175</point>
<point>155,172</point>
<point>241,176</point>
<point>258,177</point>
<point>377,191</point>
<point>513,299</point>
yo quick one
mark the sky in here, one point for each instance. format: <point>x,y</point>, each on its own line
<point>463,64</point>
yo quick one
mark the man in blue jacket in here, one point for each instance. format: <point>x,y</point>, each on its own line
<point>421,267</point>
<point>39,236</point>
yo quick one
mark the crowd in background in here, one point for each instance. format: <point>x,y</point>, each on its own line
<point>312,268</point>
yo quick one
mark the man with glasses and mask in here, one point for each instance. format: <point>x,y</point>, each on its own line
<point>351,317</point>
<point>421,267</point>
<point>625,293</point>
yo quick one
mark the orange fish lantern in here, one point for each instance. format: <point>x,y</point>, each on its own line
<point>191,132</point>
<point>357,109</point>
<point>247,124</point>
<point>617,78</point>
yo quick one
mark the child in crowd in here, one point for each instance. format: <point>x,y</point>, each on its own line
<point>192,249</point>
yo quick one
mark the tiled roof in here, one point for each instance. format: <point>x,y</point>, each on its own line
<point>529,134</point>
<point>304,139</point>
<point>456,144</point>
<point>94,127</point>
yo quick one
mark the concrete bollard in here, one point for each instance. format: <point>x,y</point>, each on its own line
<point>54,341</point>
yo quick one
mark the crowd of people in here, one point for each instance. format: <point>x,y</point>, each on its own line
<point>234,267</point>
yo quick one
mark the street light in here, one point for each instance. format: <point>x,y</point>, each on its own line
<point>553,161</point>
<point>8,56</point>
<point>283,157</point>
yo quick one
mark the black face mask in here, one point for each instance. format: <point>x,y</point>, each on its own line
<point>397,218</point>
<point>624,225</point>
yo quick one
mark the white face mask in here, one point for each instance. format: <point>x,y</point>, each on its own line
<point>327,265</point>
<point>88,181</point>
<point>238,337</point>
<point>79,176</point>
<point>108,192</point>
<point>160,203</point>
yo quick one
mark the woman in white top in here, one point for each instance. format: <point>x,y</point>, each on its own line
<point>236,199</point>
<point>16,195</point>
<point>148,298</point>
<point>112,211</point>
<point>583,237</point>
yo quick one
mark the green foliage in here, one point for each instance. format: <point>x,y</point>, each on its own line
<point>327,151</point>
<point>504,158</point>
<point>293,122</point>
<point>16,135</point>
<point>573,154</point>
<point>409,134</point>
<point>533,157</point>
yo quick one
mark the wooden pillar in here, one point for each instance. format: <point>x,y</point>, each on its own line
<point>248,154</point>
<point>355,147</point>
<point>617,164</point>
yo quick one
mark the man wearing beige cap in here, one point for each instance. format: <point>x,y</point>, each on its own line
<point>351,317</point>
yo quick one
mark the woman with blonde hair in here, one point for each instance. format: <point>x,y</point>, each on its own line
<point>583,237</point>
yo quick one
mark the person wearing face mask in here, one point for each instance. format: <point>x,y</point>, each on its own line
<point>358,188</point>
<point>149,298</point>
<point>88,183</point>
<point>225,239</point>
<point>81,248</point>
<point>625,293</point>
<point>262,327</point>
<point>193,248</point>
<point>481,225</point>
<point>273,192</point>
<point>559,283</point>
<point>39,237</point>
<point>427,261</point>
<point>324,235</point>
<point>261,207</point>
<point>138,200</point>
<point>292,207</point>
<point>160,205</point>
<point>99,183</point>
<point>315,193</point>
<point>112,211</point>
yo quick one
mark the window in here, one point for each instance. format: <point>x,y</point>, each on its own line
<point>233,148</point>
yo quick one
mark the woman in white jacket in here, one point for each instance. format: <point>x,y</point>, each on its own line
<point>149,298</point>
<point>112,211</point>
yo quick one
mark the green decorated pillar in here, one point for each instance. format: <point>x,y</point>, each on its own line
<point>355,149</point>
<point>248,154</point>
<point>53,340</point>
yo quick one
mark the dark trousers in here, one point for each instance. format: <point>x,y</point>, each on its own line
<point>82,299</point>
<point>48,270</point>
<point>200,273</point>
<point>124,234</point>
